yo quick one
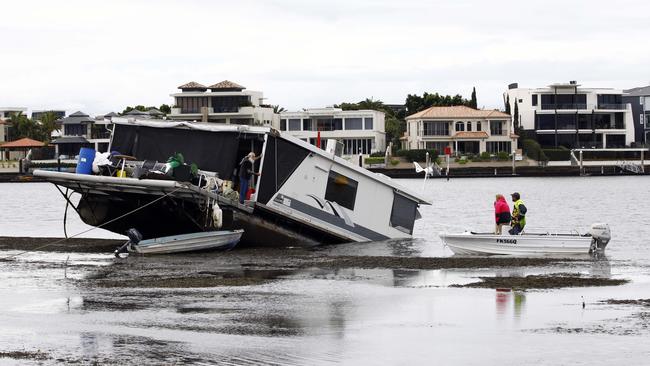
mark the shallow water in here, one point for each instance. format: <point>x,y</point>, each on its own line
<point>343,316</point>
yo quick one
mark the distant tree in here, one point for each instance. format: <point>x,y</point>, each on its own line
<point>415,103</point>
<point>472,102</point>
<point>394,128</point>
<point>48,125</point>
<point>20,126</point>
<point>166,109</point>
<point>278,109</point>
<point>515,119</point>
<point>368,103</point>
<point>507,103</point>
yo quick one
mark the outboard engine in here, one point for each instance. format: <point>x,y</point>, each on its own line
<point>134,238</point>
<point>601,235</point>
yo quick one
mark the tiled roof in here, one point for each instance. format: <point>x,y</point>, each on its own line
<point>470,135</point>
<point>226,84</point>
<point>24,142</point>
<point>459,111</point>
<point>192,85</point>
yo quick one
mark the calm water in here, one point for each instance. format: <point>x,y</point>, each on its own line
<point>351,316</point>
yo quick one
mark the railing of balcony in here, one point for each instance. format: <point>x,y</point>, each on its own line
<point>564,106</point>
<point>225,109</point>
<point>617,106</point>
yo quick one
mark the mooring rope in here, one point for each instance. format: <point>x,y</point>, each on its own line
<point>94,227</point>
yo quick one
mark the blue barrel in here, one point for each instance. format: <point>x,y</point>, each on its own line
<point>85,163</point>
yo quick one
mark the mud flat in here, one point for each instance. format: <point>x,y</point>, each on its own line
<point>77,245</point>
<point>549,281</point>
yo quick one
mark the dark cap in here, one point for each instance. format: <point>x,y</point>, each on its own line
<point>515,195</point>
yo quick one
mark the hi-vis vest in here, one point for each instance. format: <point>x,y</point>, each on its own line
<point>515,214</point>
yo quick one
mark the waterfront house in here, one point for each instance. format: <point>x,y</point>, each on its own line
<point>463,129</point>
<point>360,131</point>
<point>639,100</point>
<point>225,102</point>
<point>566,114</point>
<point>37,115</point>
<point>80,130</point>
<point>5,116</point>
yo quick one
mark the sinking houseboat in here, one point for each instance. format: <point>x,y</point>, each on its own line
<point>304,196</point>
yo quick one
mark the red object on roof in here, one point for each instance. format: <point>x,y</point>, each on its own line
<point>24,143</point>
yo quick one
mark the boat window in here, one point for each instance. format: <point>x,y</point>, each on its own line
<point>403,214</point>
<point>341,189</point>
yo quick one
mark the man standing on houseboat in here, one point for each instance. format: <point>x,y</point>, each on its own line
<point>246,172</point>
<point>518,215</point>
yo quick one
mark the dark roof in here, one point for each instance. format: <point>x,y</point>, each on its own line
<point>155,112</point>
<point>111,114</point>
<point>136,112</point>
<point>76,118</point>
<point>71,140</point>
<point>227,84</point>
<point>192,85</point>
<point>643,90</point>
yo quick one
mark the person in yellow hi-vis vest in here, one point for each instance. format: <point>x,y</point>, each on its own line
<point>518,215</point>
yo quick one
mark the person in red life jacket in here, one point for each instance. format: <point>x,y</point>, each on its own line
<point>501,213</point>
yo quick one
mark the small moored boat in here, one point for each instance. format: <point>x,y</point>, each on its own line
<point>208,240</point>
<point>471,243</point>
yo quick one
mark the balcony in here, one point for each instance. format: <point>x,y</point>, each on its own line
<point>614,106</point>
<point>564,106</point>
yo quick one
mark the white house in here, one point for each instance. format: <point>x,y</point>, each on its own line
<point>463,129</point>
<point>565,114</point>
<point>226,102</point>
<point>360,131</point>
<point>5,115</point>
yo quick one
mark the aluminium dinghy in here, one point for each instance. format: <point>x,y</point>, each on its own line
<point>207,240</point>
<point>471,243</point>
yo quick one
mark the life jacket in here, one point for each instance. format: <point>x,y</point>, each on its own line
<point>516,219</point>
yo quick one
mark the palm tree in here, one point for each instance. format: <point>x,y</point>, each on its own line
<point>48,125</point>
<point>278,109</point>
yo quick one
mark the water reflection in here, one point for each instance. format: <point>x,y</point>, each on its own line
<point>505,299</point>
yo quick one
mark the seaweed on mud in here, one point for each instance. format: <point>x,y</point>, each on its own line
<point>430,262</point>
<point>181,282</point>
<point>640,302</point>
<point>25,355</point>
<point>549,281</point>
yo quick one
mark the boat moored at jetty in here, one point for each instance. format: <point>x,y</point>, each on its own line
<point>471,243</point>
<point>304,196</point>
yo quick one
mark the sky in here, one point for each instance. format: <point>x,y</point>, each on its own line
<point>100,56</point>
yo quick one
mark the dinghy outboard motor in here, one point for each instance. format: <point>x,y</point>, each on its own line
<point>134,238</point>
<point>601,235</point>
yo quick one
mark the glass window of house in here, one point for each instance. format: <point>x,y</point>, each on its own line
<point>283,125</point>
<point>496,127</point>
<point>478,125</point>
<point>337,124</point>
<point>341,189</point>
<point>469,126</point>
<point>368,123</point>
<point>460,126</point>
<point>306,125</point>
<point>294,124</point>
<point>353,124</point>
